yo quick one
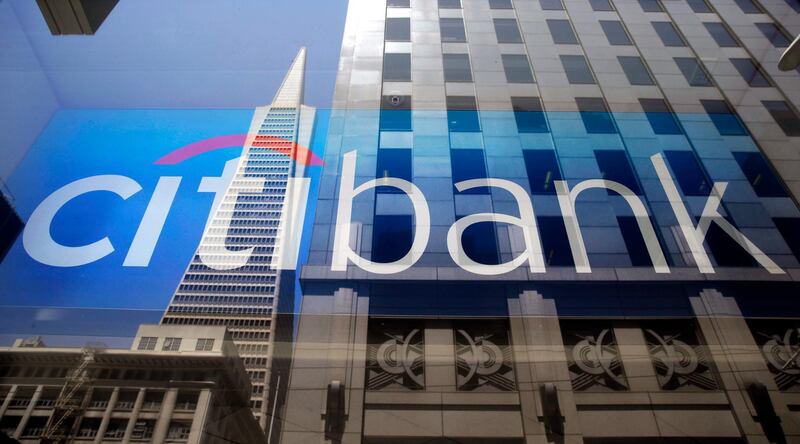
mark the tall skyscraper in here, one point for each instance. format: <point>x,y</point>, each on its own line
<point>555,221</point>
<point>233,279</point>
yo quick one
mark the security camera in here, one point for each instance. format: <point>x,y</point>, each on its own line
<point>396,100</point>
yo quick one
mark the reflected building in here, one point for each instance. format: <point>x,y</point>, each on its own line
<point>555,221</point>
<point>234,279</point>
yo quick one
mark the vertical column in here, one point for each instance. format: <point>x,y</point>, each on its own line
<point>162,425</point>
<point>7,401</point>
<point>540,358</point>
<point>137,407</point>
<point>112,401</point>
<point>440,364</point>
<point>27,415</point>
<point>639,370</point>
<point>200,416</point>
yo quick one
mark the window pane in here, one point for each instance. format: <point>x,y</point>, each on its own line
<point>398,29</point>
<point>562,32</point>
<point>462,114</point>
<point>688,172</point>
<point>500,4</point>
<point>480,242</point>
<point>721,34</point>
<point>391,237</point>
<point>555,243</point>
<point>634,241</point>
<point>452,30</point>
<point>775,35</point>
<point>468,164</point>
<point>668,34</point>
<point>751,73</point>
<point>699,6</point>
<point>542,169</point>
<point>749,6</point>
<point>764,181</point>
<point>725,250</point>
<point>660,116</point>
<point>577,69</point>
<point>456,68</point>
<point>395,113</point>
<point>615,32</point>
<point>651,6</point>
<point>450,4</point>
<point>635,70</point>
<point>393,162</point>
<point>397,67</point>
<point>551,5</point>
<point>724,118</point>
<point>529,115</point>
<point>695,74</point>
<point>795,4</point>
<point>595,115</point>
<point>601,5</point>
<point>784,116</point>
<point>789,227</point>
<point>517,68</point>
<point>397,3</point>
<point>507,31</point>
<point>614,166</point>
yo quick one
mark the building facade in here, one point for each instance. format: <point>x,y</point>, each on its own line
<point>176,384</point>
<point>234,279</point>
<point>555,221</point>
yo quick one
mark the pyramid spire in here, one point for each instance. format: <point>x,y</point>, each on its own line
<point>290,94</point>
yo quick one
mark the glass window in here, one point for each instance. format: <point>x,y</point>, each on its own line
<point>789,227</point>
<point>204,344</point>
<point>601,5</point>
<point>721,34</point>
<point>456,68</point>
<point>795,4</point>
<point>395,113</point>
<point>668,34</point>
<point>749,6</point>
<point>724,118</point>
<point>396,67</point>
<point>615,32</point>
<point>529,115</point>
<point>635,70</point>
<point>517,68</point>
<point>688,172</point>
<point>480,242</point>
<point>147,343</point>
<point>751,73</point>
<point>634,241</point>
<point>449,4</point>
<point>784,116</point>
<point>694,72</point>
<point>775,34</point>
<point>393,162</point>
<point>760,175</point>
<point>614,166</point>
<point>171,344</point>
<point>507,31</point>
<point>500,4</point>
<point>726,252</point>
<point>561,31</point>
<point>700,6</point>
<point>551,5</point>
<point>398,3</point>
<point>468,164</point>
<point>398,29</point>
<point>595,115</point>
<point>542,169</point>
<point>660,116</point>
<point>452,30</point>
<point>462,114</point>
<point>651,6</point>
<point>391,237</point>
<point>555,243</point>
<point>577,69</point>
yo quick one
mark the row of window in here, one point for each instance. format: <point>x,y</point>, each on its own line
<point>249,300</point>
<point>220,310</point>
<point>230,323</point>
<point>173,344</point>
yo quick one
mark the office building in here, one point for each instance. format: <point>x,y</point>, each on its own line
<point>555,221</point>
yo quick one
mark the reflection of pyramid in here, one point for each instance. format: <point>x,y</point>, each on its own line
<point>231,280</point>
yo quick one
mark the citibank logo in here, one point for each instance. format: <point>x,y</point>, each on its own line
<point>40,245</point>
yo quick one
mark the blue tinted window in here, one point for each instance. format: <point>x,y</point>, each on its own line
<point>480,242</point>
<point>456,68</point>
<point>398,30</point>
<point>394,162</point>
<point>634,241</point>
<point>723,117</point>
<point>595,115</point>
<point>789,227</point>
<point>529,115</point>
<point>765,183</point>
<point>391,237</point>
<point>725,250</point>
<point>396,67</point>
<point>614,166</point>
<point>462,114</point>
<point>555,243</point>
<point>395,113</point>
<point>660,116</point>
<point>688,172</point>
<point>468,164</point>
<point>507,31</point>
<point>542,169</point>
